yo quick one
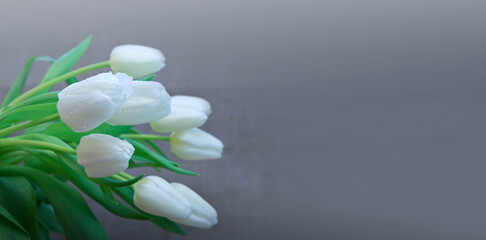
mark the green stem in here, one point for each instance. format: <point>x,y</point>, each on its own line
<point>57,80</point>
<point>117,177</point>
<point>125,175</point>
<point>18,127</point>
<point>33,143</point>
<point>146,136</point>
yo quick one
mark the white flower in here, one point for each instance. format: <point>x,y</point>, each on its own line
<point>86,104</point>
<point>156,196</point>
<point>103,155</point>
<point>186,112</point>
<point>136,60</point>
<point>149,102</point>
<point>203,214</point>
<point>196,103</point>
<point>195,144</point>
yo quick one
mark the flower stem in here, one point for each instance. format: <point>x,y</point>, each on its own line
<point>125,175</point>
<point>146,136</point>
<point>33,143</point>
<point>117,177</point>
<point>57,80</point>
<point>21,126</point>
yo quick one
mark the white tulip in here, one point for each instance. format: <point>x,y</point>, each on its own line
<point>156,196</point>
<point>186,112</point>
<point>136,60</point>
<point>86,104</point>
<point>103,155</point>
<point>179,119</point>
<point>196,103</point>
<point>203,214</point>
<point>195,144</point>
<point>149,102</point>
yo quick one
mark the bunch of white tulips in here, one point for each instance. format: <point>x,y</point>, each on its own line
<point>97,116</point>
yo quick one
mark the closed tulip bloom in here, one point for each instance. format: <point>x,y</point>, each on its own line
<point>103,155</point>
<point>195,144</point>
<point>136,60</point>
<point>203,214</point>
<point>86,104</point>
<point>196,103</point>
<point>156,196</point>
<point>149,102</point>
<point>186,112</point>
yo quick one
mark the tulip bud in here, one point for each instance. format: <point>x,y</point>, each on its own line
<point>196,103</point>
<point>149,102</point>
<point>103,155</point>
<point>156,196</point>
<point>203,214</point>
<point>86,104</point>
<point>136,60</point>
<point>195,144</point>
<point>186,112</point>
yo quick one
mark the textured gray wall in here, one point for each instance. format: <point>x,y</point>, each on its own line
<point>341,119</point>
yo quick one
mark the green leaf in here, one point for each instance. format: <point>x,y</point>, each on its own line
<point>5,219</point>
<point>13,157</point>
<point>156,158</point>
<point>42,98</point>
<point>38,161</point>
<point>108,193</point>
<point>66,164</point>
<point>47,217</point>
<point>147,141</point>
<point>43,232</point>
<point>19,199</point>
<point>44,138</point>
<point>108,182</point>
<point>32,112</point>
<point>72,80</point>
<point>153,146</point>
<point>132,164</point>
<point>142,159</point>
<point>74,215</point>
<point>10,228</point>
<point>90,188</point>
<point>126,193</point>
<point>38,128</point>
<point>19,82</point>
<point>66,62</point>
<point>38,164</point>
<point>147,78</point>
<point>71,162</point>
<point>62,131</point>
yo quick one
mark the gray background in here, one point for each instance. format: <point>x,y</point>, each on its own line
<point>341,119</point>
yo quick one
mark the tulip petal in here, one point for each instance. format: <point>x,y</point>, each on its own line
<point>106,170</point>
<point>148,102</point>
<point>87,112</point>
<point>199,206</point>
<point>196,103</point>
<point>156,196</point>
<point>196,221</point>
<point>195,144</point>
<point>98,149</point>
<point>179,119</point>
<point>126,82</point>
<point>85,105</point>
<point>103,155</point>
<point>136,60</point>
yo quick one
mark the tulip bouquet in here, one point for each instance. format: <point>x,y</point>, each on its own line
<point>52,142</point>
